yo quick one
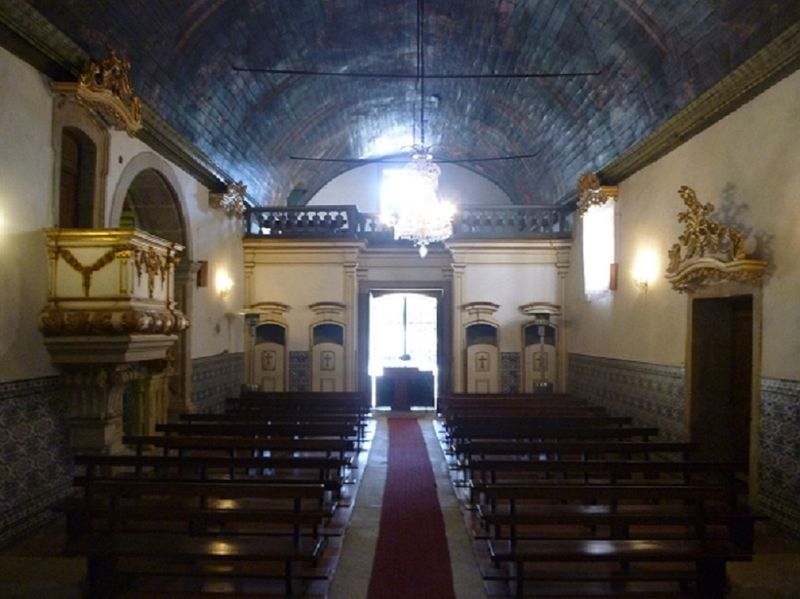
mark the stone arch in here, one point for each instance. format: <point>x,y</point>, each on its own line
<point>151,186</point>
<point>158,204</point>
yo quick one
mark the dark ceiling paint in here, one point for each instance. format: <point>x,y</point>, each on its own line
<point>654,58</point>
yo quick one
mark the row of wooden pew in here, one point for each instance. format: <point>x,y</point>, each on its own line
<point>568,499</point>
<point>242,503</point>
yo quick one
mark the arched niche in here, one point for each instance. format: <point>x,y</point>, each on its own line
<point>483,358</point>
<point>270,356</point>
<point>267,356</point>
<point>327,347</point>
<point>540,347</point>
<point>482,347</point>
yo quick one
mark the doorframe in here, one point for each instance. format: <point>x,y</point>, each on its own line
<point>444,324</point>
<point>725,290</point>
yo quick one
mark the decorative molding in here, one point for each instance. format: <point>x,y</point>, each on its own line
<point>231,201</point>
<point>55,321</point>
<point>87,271</point>
<point>328,312</point>
<point>480,309</point>
<point>591,192</point>
<point>545,310</point>
<point>768,66</point>
<point>708,251</point>
<point>150,261</point>
<point>276,309</point>
<point>106,89</point>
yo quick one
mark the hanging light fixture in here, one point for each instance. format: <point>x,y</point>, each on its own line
<point>423,217</point>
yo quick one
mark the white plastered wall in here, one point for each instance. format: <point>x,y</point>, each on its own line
<point>26,186</point>
<point>748,159</point>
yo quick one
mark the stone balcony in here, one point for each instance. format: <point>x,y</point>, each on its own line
<point>346,222</point>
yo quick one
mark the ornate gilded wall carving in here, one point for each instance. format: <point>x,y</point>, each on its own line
<point>708,251</point>
<point>591,192</point>
<point>105,88</point>
<point>232,201</point>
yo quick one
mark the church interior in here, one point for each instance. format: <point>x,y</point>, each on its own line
<point>492,217</point>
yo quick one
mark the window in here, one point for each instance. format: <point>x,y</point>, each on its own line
<point>76,192</point>
<point>598,249</point>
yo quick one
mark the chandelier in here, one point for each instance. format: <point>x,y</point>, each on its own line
<point>423,217</point>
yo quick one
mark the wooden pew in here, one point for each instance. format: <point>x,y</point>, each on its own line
<point>493,470</point>
<point>133,512</point>
<point>238,446</point>
<point>534,432</point>
<point>709,558</point>
<point>511,497</point>
<point>241,429</point>
<point>273,417</point>
<point>527,451</point>
<point>455,401</point>
<point>527,509</point>
<point>482,425</point>
<point>620,521</point>
<point>584,449</point>
<point>303,401</point>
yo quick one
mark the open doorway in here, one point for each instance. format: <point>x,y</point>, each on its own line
<point>403,349</point>
<point>722,377</point>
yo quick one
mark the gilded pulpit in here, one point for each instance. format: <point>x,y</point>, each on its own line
<point>110,323</point>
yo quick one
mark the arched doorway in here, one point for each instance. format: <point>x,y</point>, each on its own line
<point>147,198</point>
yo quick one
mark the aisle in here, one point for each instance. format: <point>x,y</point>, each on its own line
<point>411,557</point>
<point>355,565</point>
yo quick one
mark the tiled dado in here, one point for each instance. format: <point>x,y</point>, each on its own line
<point>214,378</point>
<point>510,372</point>
<point>299,371</point>
<point>779,440</point>
<point>650,393</point>
<point>35,460</point>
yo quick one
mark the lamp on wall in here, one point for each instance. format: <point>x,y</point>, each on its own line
<point>645,267</point>
<point>224,284</point>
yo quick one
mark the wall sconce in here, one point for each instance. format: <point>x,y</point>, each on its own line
<point>224,284</point>
<point>644,270</point>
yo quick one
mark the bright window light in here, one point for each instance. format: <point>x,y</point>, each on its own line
<point>598,248</point>
<point>402,333</point>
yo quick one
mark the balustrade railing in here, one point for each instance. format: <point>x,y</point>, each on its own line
<point>346,222</point>
<point>502,222</point>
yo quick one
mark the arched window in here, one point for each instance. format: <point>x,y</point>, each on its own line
<point>76,191</point>
<point>598,249</point>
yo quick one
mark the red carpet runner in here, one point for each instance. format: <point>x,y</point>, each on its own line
<point>411,557</point>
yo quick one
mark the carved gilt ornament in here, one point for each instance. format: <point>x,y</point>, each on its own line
<point>105,88</point>
<point>707,251</point>
<point>232,201</point>
<point>592,193</point>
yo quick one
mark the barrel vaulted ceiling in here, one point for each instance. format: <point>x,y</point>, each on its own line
<point>646,61</point>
